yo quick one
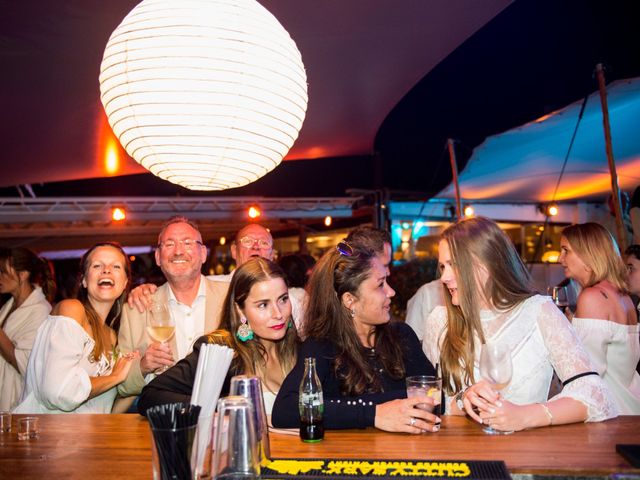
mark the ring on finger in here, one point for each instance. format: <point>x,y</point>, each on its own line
<point>412,422</point>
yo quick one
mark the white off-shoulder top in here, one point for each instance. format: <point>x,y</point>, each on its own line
<point>57,379</point>
<point>615,351</point>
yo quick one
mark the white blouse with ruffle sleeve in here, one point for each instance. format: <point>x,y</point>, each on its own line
<point>541,339</point>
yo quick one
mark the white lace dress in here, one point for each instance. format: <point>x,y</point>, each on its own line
<point>541,340</point>
<point>615,351</point>
<point>59,368</point>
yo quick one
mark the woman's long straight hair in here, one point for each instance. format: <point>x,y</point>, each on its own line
<point>251,354</point>
<point>478,243</point>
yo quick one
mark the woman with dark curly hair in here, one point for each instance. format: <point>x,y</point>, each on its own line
<point>362,360</point>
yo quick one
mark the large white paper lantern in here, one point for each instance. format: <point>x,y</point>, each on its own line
<point>208,94</point>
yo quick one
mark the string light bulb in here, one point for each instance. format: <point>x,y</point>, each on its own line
<point>328,221</point>
<point>254,211</point>
<point>469,211</point>
<point>118,214</point>
<point>549,209</point>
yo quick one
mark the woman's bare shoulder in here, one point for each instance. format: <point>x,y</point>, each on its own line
<point>597,302</point>
<point>71,308</point>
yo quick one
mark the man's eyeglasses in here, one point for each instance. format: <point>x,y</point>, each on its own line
<point>188,244</point>
<point>344,249</point>
<point>249,242</point>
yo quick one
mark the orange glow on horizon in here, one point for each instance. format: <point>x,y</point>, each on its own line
<point>574,185</point>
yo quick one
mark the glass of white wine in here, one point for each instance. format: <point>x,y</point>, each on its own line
<point>496,368</point>
<point>160,325</point>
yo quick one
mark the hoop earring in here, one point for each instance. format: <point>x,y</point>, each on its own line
<point>244,332</point>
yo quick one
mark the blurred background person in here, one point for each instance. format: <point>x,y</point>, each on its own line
<point>73,367</point>
<point>310,262</point>
<point>420,306</point>
<point>605,319</point>
<point>256,323</point>
<point>362,359</point>
<point>28,280</point>
<point>490,299</point>
<point>374,239</point>
<point>295,271</point>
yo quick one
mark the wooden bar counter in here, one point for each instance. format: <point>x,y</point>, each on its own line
<point>119,446</point>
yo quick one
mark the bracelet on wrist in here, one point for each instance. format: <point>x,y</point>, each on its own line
<point>459,399</point>
<point>547,413</point>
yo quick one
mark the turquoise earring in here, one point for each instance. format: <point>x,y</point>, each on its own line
<point>244,332</point>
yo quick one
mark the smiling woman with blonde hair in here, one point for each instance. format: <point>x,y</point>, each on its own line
<point>490,299</point>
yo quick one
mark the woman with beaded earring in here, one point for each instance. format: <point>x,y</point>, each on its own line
<point>29,281</point>
<point>362,359</point>
<point>256,323</point>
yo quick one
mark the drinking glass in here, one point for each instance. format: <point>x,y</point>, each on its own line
<point>426,386</point>
<point>160,325</point>
<point>235,454</point>
<point>496,368</point>
<point>560,297</point>
<point>5,421</point>
<point>28,428</point>
<point>251,387</point>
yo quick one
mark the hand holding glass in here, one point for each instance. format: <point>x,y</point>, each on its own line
<point>160,325</point>
<point>496,368</point>
<point>426,386</point>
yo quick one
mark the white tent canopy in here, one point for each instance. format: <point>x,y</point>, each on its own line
<point>524,164</point>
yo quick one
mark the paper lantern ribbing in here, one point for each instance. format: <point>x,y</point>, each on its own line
<point>207,94</point>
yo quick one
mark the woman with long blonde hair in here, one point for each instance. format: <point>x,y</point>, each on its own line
<point>605,319</point>
<point>256,323</point>
<point>490,298</point>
